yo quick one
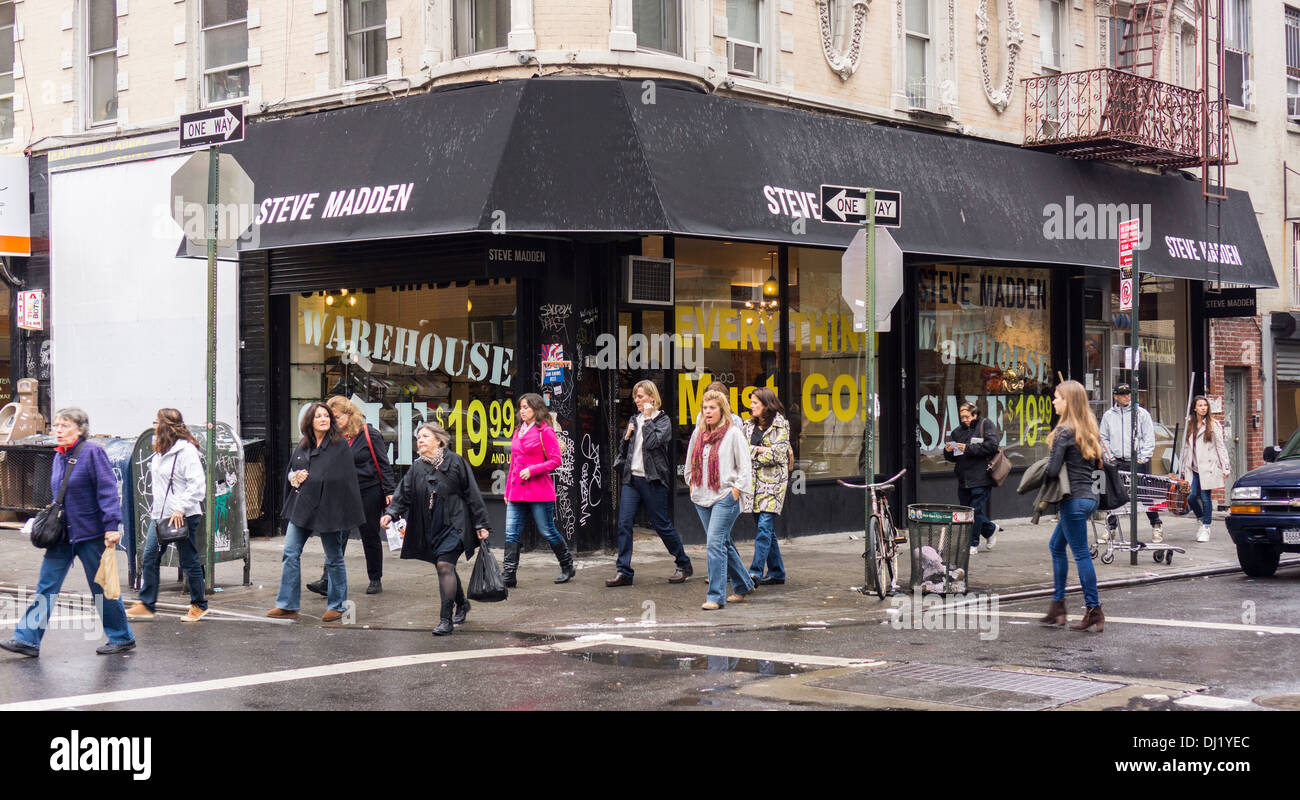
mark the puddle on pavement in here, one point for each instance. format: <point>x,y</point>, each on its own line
<point>674,661</point>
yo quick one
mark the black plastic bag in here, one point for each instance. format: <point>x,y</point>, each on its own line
<point>1114,494</point>
<point>485,582</point>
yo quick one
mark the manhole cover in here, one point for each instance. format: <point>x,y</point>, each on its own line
<point>1282,702</point>
<point>974,687</point>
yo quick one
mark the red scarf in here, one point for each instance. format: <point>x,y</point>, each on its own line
<point>703,438</point>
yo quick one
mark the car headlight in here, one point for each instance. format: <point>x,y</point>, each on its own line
<point>1245,493</point>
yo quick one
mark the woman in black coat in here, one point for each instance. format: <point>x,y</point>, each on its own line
<point>445,517</point>
<point>375,479</point>
<point>323,499</point>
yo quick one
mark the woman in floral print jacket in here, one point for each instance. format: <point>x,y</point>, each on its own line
<point>768,434</point>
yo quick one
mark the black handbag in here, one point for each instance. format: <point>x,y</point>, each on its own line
<point>50,525</point>
<point>1114,493</point>
<point>168,533</point>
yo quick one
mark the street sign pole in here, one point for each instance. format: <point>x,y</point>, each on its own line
<point>210,447</point>
<point>1134,332</point>
<point>869,354</point>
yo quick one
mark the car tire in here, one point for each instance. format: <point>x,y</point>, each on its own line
<point>1258,560</point>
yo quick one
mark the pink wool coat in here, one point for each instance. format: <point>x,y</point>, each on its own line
<point>526,451</point>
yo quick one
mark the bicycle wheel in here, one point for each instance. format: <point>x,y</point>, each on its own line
<point>877,557</point>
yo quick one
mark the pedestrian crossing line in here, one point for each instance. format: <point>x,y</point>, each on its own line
<point>1175,623</point>
<point>283,676</point>
<point>414,660</point>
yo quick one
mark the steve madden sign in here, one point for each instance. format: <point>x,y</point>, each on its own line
<point>361,200</point>
<point>1230,303</point>
<point>1194,250</point>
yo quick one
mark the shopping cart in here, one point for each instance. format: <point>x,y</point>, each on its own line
<point>1154,493</point>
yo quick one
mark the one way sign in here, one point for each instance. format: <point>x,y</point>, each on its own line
<point>847,205</point>
<point>212,126</point>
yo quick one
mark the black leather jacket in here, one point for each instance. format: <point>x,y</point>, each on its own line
<point>656,439</point>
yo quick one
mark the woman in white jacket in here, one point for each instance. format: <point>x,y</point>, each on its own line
<point>1205,462</point>
<point>719,471</point>
<point>178,486</point>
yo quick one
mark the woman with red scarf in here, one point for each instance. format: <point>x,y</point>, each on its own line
<point>719,471</point>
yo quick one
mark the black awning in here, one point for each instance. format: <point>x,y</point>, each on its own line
<point>606,155</point>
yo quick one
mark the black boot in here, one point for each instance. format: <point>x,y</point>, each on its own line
<point>322,586</point>
<point>511,564</point>
<point>462,605</point>
<point>565,558</point>
<point>444,624</point>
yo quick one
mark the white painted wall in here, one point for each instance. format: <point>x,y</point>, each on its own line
<point>128,317</point>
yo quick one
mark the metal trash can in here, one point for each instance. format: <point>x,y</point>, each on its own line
<point>939,538</point>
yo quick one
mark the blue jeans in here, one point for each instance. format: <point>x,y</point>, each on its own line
<point>1073,530</point>
<point>189,562</point>
<point>766,551</point>
<point>54,568</point>
<point>543,517</point>
<point>654,496</point>
<point>290,596</point>
<point>724,559</point>
<point>978,499</point>
<point>1200,502</point>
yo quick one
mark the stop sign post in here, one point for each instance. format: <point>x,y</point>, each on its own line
<point>205,184</point>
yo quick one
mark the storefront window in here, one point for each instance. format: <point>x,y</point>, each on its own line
<point>829,410</point>
<point>445,354</point>
<point>722,308</point>
<point>984,336</point>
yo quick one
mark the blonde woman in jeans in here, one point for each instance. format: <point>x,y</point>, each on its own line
<point>719,471</point>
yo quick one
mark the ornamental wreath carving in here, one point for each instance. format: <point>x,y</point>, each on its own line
<point>999,97</point>
<point>843,64</point>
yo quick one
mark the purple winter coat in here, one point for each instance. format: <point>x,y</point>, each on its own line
<point>92,505</point>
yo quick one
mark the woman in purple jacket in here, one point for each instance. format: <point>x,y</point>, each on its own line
<point>534,455</point>
<point>93,511</point>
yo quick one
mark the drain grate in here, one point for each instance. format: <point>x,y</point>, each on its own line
<point>973,687</point>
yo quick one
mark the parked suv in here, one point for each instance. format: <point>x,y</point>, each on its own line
<point>1264,510</point>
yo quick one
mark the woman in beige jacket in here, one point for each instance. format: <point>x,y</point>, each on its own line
<point>1205,462</point>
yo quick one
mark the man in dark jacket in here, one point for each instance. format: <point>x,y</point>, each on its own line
<point>971,446</point>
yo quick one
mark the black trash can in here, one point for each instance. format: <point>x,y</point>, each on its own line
<point>939,538</point>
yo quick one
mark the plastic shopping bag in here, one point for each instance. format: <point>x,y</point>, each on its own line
<point>107,574</point>
<point>485,582</point>
<point>395,531</point>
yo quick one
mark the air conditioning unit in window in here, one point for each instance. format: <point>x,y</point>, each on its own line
<point>649,280</point>
<point>742,58</point>
<point>1293,108</point>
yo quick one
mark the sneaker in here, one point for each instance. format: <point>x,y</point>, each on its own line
<point>1157,534</point>
<point>974,550</point>
<point>139,612</point>
<point>992,541</point>
<point>1203,535</point>
<point>194,614</point>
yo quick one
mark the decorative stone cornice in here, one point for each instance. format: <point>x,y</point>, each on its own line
<point>1000,96</point>
<point>843,64</point>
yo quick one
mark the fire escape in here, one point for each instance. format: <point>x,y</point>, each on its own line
<point>1123,113</point>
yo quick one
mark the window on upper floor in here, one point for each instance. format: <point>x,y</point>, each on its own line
<point>101,60</point>
<point>745,38</point>
<point>6,70</point>
<point>1051,32</point>
<point>840,13</point>
<point>1120,29</point>
<point>1190,58</point>
<point>1236,57</point>
<point>225,50</point>
<point>481,25</point>
<point>658,25</point>
<point>918,53</point>
<point>1292,64</point>
<point>365,25</point>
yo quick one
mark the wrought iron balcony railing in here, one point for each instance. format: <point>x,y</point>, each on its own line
<point>1109,114</point>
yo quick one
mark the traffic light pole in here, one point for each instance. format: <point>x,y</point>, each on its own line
<point>210,445</point>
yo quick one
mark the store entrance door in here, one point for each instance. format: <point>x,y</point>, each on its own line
<point>1097,377</point>
<point>1234,419</point>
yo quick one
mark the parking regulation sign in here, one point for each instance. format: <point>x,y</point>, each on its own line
<point>1126,294</point>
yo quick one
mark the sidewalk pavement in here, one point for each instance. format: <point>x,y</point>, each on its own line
<point>823,575</point>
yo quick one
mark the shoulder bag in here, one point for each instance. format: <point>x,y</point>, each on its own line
<point>50,525</point>
<point>168,533</point>
<point>1114,493</point>
<point>999,467</point>
<point>379,473</point>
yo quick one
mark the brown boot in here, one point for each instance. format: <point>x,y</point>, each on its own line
<point>1055,615</point>
<point>1092,616</point>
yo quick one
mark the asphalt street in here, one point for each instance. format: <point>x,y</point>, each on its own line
<point>1220,642</point>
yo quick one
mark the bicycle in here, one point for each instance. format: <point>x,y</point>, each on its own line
<point>883,539</point>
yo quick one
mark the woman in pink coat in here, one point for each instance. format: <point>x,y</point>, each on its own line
<point>534,455</point>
